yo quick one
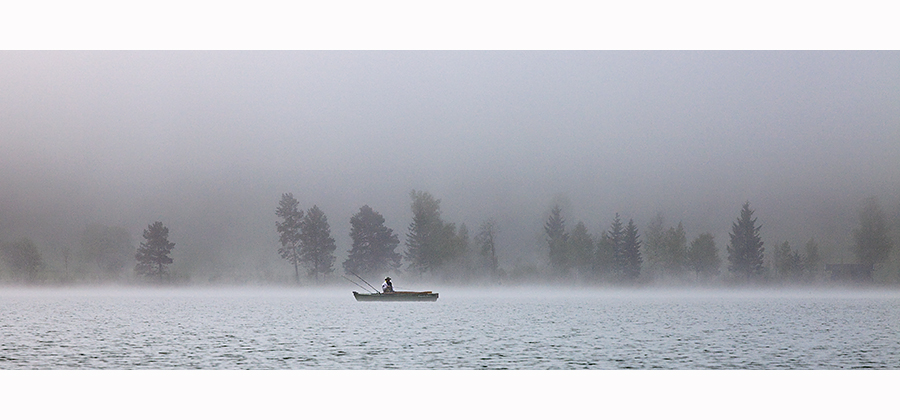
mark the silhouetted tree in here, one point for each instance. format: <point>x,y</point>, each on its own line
<point>374,244</point>
<point>153,254</point>
<point>429,242</point>
<point>631,251</point>
<point>107,247</point>
<point>871,240</point>
<point>316,244</point>
<point>23,257</point>
<point>289,231</point>
<point>703,256</point>
<point>745,253</point>
<point>812,260</point>
<point>558,240</point>
<point>788,262</point>
<point>655,246</point>
<point>581,249</point>
<point>486,245</point>
<point>616,237</point>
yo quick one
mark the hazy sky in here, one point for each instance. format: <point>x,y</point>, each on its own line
<point>207,141</point>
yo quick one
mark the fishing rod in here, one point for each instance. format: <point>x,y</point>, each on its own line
<point>364,281</point>
<point>351,281</point>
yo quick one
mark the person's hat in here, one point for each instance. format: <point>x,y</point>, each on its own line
<point>387,278</point>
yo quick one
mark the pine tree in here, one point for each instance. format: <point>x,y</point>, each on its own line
<point>374,244</point>
<point>153,254</point>
<point>703,256</point>
<point>871,240</point>
<point>428,238</point>
<point>631,251</point>
<point>788,262</point>
<point>558,240</point>
<point>581,247</point>
<point>486,245</point>
<point>289,231</point>
<point>745,253</point>
<point>316,244</point>
<point>812,260</point>
<point>616,237</point>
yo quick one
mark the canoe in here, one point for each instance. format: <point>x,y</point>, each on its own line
<point>396,297</point>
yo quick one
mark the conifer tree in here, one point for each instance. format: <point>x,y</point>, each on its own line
<point>812,260</point>
<point>745,253</point>
<point>616,237</point>
<point>871,240</point>
<point>485,241</point>
<point>153,254</point>
<point>581,247</point>
<point>289,231</point>
<point>428,237</point>
<point>374,244</point>
<point>558,241</point>
<point>316,243</point>
<point>703,256</point>
<point>631,251</point>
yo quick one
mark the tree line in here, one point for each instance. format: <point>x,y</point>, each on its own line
<point>619,254</point>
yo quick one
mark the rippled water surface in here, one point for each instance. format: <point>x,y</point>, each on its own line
<point>464,329</point>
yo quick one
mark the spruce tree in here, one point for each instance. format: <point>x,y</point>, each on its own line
<point>812,260</point>
<point>427,238</point>
<point>485,242</point>
<point>153,254</point>
<point>631,251</point>
<point>374,244</point>
<point>558,241</point>
<point>703,256</point>
<point>872,243</point>
<point>616,238</point>
<point>289,231</point>
<point>316,243</point>
<point>581,247</point>
<point>745,253</point>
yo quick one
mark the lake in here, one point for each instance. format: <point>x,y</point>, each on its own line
<point>521,329</point>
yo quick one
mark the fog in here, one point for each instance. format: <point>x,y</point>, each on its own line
<point>207,142</point>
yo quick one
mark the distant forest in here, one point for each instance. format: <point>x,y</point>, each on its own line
<point>623,254</point>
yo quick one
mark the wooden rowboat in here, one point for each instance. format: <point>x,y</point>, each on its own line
<point>396,297</point>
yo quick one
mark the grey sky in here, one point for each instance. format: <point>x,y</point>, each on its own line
<point>207,141</point>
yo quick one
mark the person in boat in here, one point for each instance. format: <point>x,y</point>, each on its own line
<point>387,286</point>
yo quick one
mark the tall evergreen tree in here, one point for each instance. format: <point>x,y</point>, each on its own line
<point>788,262</point>
<point>485,241</point>
<point>616,237</point>
<point>558,240</point>
<point>153,254</point>
<point>631,251</point>
<point>374,244</point>
<point>289,231</point>
<point>581,248</point>
<point>872,243</point>
<point>655,246</point>
<point>812,260</point>
<point>316,243</point>
<point>703,256</point>
<point>745,253</point>
<point>428,237</point>
<point>675,251</point>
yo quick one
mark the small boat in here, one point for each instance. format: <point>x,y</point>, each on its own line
<point>396,297</point>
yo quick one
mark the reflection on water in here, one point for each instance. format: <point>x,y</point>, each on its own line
<point>464,329</point>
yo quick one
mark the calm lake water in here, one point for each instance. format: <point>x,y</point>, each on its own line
<point>464,329</point>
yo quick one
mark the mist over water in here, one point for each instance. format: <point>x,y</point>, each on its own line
<point>522,328</point>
